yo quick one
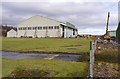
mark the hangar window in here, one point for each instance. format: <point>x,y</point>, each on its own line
<point>23,28</point>
<point>50,27</point>
<point>44,27</point>
<point>26,28</point>
<point>34,28</point>
<point>19,28</point>
<point>56,27</point>
<point>29,28</point>
<point>39,28</point>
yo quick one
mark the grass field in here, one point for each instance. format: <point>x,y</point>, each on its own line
<point>61,45</point>
<point>55,68</point>
<point>61,68</point>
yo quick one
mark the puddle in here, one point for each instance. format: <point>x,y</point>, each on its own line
<point>16,55</point>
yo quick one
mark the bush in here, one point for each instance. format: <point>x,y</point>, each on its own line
<point>31,73</point>
<point>107,56</point>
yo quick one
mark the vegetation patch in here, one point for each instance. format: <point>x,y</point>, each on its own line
<point>49,68</point>
<point>106,61</point>
<point>110,55</point>
<point>31,73</point>
<point>45,45</point>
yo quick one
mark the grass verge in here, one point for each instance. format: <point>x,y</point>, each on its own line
<point>61,68</point>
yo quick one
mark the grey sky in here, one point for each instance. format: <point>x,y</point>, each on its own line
<point>88,17</point>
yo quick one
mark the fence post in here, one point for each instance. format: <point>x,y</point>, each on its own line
<point>92,51</point>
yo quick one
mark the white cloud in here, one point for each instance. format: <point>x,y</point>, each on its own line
<point>60,1</point>
<point>85,15</point>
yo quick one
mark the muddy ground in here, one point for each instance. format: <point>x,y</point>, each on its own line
<point>106,60</point>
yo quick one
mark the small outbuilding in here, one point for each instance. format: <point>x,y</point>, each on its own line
<point>11,33</point>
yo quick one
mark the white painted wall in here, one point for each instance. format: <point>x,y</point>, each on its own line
<point>11,33</point>
<point>40,33</point>
<point>68,32</point>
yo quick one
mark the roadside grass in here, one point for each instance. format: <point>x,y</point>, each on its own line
<point>110,56</point>
<point>46,45</point>
<point>60,68</point>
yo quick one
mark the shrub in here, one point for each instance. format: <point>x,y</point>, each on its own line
<point>30,73</point>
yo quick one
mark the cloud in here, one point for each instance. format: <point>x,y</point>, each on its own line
<point>59,1</point>
<point>84,15</point>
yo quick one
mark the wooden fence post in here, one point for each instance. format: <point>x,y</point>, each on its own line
<point>92,51</point>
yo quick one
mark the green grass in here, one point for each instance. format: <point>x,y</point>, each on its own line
<point>63,68</point>
<point>62,45</point>
<point>46,45</point>
<point>0,68</point>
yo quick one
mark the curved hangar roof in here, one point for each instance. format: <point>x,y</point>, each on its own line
<point>43,21</point>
